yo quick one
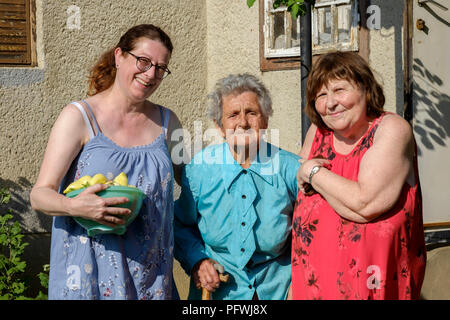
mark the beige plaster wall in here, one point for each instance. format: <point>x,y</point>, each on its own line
<point>386,52</point>
<point>233,47</point>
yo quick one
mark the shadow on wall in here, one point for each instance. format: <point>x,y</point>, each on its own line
<point>435,130</point>
<point>29,220</point>
<point>434,14</point>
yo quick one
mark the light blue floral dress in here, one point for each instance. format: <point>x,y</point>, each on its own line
<point>138,264</point>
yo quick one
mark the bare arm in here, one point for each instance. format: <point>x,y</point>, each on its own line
<point>66,140</point>
<point>67,137</point>
<point>383,171</point>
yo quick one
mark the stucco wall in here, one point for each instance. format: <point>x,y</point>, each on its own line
<point>386,52</point>
<point>233,47</point>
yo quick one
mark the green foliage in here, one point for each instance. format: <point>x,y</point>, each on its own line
<point>295,7</point>
<point>250,3</point>
<point>12,287</point>
<point>43,277</point>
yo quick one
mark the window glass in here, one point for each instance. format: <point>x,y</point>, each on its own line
<point>279,32</point>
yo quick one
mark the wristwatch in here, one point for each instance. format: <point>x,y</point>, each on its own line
<point>314,170</point>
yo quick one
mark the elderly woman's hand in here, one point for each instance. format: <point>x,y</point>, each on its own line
<point>205,275</point>
<point>305,170</point>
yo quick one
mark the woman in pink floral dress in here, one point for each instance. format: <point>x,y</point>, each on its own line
<point>359,235</point>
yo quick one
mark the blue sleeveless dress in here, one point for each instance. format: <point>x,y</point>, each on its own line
<point>138,264</point>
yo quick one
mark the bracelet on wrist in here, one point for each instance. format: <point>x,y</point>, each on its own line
<point>314,170</point>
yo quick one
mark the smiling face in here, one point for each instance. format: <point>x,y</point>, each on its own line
<point>135,84</point>
<point>242,120</point>
<point>342,107</point>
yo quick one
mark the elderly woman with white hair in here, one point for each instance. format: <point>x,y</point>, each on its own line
<point>237,200</point>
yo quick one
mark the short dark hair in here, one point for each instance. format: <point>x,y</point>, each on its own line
<point>348,66</point>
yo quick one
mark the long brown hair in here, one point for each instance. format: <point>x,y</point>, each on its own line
<point>343,66</point>
<point>103,73</point>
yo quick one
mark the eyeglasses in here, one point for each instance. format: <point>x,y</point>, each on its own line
<point>144,64</point>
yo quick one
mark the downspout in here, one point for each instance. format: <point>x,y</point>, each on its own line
<point>305,64</point>
<point>408,61</point>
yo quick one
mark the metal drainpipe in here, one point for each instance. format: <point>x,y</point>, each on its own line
<point>306,61</point>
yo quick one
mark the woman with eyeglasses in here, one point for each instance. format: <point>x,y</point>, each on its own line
<point>116,129</point>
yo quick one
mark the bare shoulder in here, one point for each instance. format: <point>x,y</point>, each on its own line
<point>71,113</point>
<point>70,120</point>
<point>394,127</point>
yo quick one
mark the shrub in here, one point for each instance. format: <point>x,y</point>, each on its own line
<point>12,267</point>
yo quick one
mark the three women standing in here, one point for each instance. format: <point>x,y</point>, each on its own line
<point>360,236</point>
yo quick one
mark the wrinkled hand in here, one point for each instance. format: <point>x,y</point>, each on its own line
<point>90,206</point>
<point>305,169</point>
<point>205,275</point>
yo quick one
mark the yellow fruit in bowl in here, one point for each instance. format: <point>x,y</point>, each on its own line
<point>135,197</point>
<point>118,187</point>
<point>86,181</point>
<point>98,178</point>
<point>78,184</point>
<point>121,180</point>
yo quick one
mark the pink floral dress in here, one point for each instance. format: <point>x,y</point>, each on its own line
<point>334,258</point>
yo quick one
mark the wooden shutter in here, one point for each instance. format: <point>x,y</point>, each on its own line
<point>15,32</point>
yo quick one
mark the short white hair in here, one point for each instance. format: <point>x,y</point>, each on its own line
<point>236,84</point>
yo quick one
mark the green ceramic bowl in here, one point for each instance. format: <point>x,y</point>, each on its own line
<point>135,197</point>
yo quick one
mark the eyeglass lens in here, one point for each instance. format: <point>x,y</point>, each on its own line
<point>144,65</point>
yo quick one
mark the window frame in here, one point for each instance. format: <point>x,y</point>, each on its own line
<point>353,45</point>
<point>272,64</point>
<point>360,38</point>
<point>278,53</point>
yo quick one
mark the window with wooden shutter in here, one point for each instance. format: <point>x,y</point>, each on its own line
<point>15,32</point>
